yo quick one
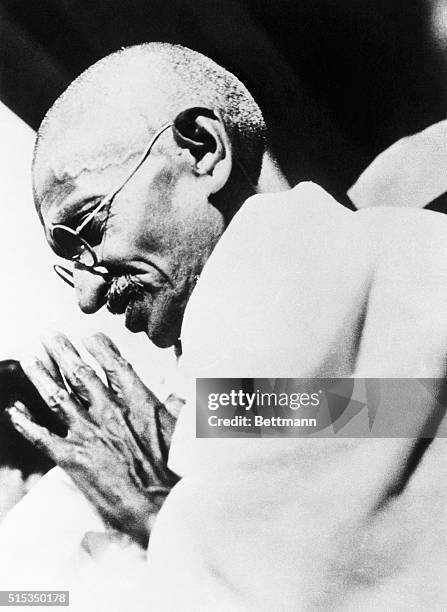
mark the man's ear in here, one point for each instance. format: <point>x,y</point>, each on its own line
<point>200,131</point>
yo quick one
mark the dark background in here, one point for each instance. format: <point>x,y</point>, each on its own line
<point>338,80</point>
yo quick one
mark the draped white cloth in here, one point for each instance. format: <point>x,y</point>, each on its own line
<point>288,524</point>
<point>409,173</point>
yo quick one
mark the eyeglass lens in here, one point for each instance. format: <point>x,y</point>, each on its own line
<point>72,246</point>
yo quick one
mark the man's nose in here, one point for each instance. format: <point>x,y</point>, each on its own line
<point>91,289</point>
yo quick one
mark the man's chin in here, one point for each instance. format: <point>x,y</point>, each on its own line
<point>157,318</point>
<point>164,338</point>
<point>162,333</point>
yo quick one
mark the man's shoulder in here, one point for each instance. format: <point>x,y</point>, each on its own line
<point>274,225</point>
<point>303,199</point>
<point>314,218</point>
<point>291,217</point>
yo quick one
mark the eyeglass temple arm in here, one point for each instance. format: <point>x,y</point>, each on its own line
<point>65,274</point>
<point>113,193</point>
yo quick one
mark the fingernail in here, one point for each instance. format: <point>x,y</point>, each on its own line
<point>19,407</point>
<point>49,333</point>
<point>14,412</point>
<point>99,339</point>
<point>56,341</point>
<point>29,361</point>
<point>48,337</point>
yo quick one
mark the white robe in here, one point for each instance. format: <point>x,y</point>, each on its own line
<point>299,287</point>
<point>285,524</point>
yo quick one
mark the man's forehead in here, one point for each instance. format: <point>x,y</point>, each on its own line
<point>59,164</point>
<point>79,162</point>
<point>50,192</point>
<point>63,183</point>
<point>66,199</point>
<point>62,200</point>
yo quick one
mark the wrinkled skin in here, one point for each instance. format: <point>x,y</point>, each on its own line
<point>118,435</point>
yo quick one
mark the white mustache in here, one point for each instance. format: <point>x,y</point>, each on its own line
<point>121,291</point>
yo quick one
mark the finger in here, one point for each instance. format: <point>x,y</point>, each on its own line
<point>138,403</point>
<point>167,415</point>
<point>174,404</point>
<point>81,377</point>
<point>121,376</point>
<point>23,422</point>
<point>49,364</point>
<point>53,394</point>
<point>148,418</point>
<point>53,370</point>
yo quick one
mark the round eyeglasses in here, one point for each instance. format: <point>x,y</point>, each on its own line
<point>69,242</point>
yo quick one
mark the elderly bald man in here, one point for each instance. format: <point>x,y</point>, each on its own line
<point>142,172</point>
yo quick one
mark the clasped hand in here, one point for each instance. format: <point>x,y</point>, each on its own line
<point>118,434</point>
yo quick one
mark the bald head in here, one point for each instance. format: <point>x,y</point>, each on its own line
<point>108,114</point>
